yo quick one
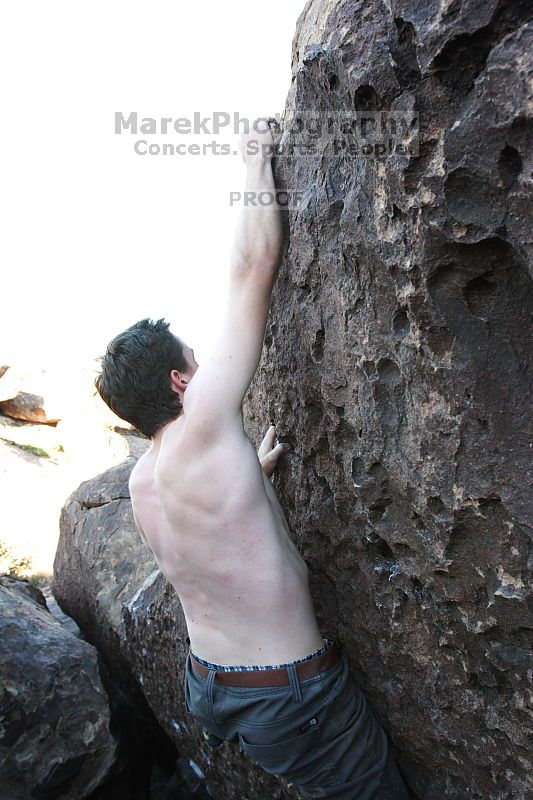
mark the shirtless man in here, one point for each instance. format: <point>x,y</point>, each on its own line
<point>203,502</point>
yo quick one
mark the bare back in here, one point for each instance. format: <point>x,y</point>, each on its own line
<point>217,530</point>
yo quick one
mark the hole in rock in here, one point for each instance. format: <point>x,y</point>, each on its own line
<point>388,372</point>
<point>479,295</point>
<point>366,99</point>
<point>401,324</point>
<point>436,506</point>
<point>384,549</point>
<point>358,470</point>
<point>377,510</point>
<point>509,166</point>
<point>462,58</point>
<point>318,345</point>
<point>404,54</point>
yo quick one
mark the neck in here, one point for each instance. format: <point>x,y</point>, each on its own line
<point>158,435</point>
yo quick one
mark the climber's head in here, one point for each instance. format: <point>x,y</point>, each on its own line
<point>145,372</point>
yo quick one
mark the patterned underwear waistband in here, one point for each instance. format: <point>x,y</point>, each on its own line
<point>238,668</point>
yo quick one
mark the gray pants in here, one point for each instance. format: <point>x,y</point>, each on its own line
<point>319,733</point>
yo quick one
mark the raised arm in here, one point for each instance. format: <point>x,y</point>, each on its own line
<point>214,396</point>
<point>259,236</point>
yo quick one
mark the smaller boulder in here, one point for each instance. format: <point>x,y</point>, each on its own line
<point>55,740</point>
<point>26,406</point>
<point>33,395</point>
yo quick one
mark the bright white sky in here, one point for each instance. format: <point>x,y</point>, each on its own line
<point>95,237</point>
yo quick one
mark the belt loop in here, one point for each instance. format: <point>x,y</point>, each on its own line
<point>295,683</point>
<point>210,690</point>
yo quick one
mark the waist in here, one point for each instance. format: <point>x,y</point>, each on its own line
<point>263,635</point>
<point>277,675</point>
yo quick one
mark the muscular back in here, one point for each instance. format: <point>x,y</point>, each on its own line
<point>215,526</point>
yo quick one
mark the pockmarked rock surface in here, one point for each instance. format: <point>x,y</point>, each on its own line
<point>397,363</point>
<point>55,739</point>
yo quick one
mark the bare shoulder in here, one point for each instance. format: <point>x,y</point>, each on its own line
<point>137,473</point>
<point>195,460</point>
<point>191,438</point>
<point>135,484</point>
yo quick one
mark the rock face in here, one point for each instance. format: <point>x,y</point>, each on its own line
<point>399,346</point>
<point>55,740</point>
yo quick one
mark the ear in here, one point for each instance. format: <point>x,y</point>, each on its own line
<point>177,381</point>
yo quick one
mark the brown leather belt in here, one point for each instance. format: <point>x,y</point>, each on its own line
<point>272,677</point>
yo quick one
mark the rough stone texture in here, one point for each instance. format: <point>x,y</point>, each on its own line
<point>55,740</point>
<point>399,346</point>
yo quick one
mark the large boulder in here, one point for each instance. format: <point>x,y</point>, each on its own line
<point>399,346</point>
<point>55,739</point>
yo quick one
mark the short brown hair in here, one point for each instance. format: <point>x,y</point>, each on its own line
<point>135,377</point>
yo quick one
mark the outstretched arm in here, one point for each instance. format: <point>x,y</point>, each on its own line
<point>259,233</point>
<point>215,393</point>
